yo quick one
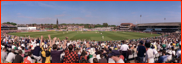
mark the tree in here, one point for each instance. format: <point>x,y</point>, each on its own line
<point>98,25</point>
<point>55,26</point>
<point>34,24</point>
<point>105,25</point>
<point>112,26</point>
<point>12,23</point>
<point>63,24</point>
<point>41,24</point>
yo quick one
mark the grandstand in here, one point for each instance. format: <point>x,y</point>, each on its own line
<point>126,26</point>
<point>8,27</point>
<point>160,27</point>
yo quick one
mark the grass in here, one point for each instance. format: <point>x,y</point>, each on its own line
<point>91,35</point>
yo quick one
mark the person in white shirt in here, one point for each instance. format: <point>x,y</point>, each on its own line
<point>103,44</point>
<point>124,48</point>
<point>170,54</point>
<point>68,44</point>
<point>11,56</point>
<point>13,46</point>
<point>178,53</point>
<point>33,42</point>
<point>169,45</point>
<point>3,55</point>
<point>19,48</point>
<point>115,56</point>
<point>98,55</point>
<point>173,52</point>
<point>91,59</point>
<point>149,54</point>
<point>158,47</point>
<point>111,60</point>
<point>61,56</point>
<point>153,48</point>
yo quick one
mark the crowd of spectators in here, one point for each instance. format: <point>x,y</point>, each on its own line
<point>160,49</point>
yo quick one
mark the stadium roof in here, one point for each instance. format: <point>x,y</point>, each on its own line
<point>128,24</point>
<point>21,25</point>
<point>7,25</point>
<point>161,24</point>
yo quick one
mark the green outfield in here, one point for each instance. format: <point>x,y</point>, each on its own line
<point>91,35</point>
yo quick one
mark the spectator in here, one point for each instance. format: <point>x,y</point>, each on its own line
<point>3,55</point>
<point>153,48</point>
<point>178,53</point>
<point>83,61</point>
<point>36,52</point>
<point>102,60</point>
<point>28,59</point>
<point>18,57</point>
<point>91,59</point>
<point>98,55</point>
<point>70,56</point>
<point>173,52</point>
<point>149,54</point>
<point>163,58</point>
<point>83,55</point>
<point>11,56</point>
<point>115,56</point>
<point>122,57</point>
<point>140,52</point>
<point>46,53</point>
<point>163,46</point>
<point>124,48</point>
<point>86,48</point>
<point>169,52</point>
<point>95,60</point>
<point>55,54</point>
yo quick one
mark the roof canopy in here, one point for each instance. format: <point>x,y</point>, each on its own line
<point>161,24</point>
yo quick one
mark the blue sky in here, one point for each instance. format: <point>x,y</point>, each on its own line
<point>93,12</point>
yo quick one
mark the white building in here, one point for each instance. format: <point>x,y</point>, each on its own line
<point>26,28</point>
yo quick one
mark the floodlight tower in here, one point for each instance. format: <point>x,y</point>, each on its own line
<point>140,18</point>
<point>164,19</point>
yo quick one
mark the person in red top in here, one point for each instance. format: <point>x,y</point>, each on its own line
<point>83,55</point>
<point>122,57</point>
<point>70,56</point>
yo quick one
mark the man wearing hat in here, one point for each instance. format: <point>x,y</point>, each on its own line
<point>36,52</point>
<point>115,56</point>
<point>140,52</point>
<point>45,50</point>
